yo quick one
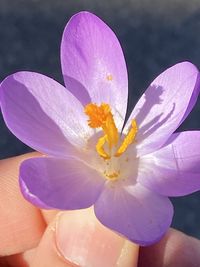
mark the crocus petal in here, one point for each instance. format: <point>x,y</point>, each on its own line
<point>42,113</point>
<point>174,170</point>
<point>135,212</point>
<point>93,64</point>
<point>60,183</point>
<point>193,99</point>
<point>164,105</point>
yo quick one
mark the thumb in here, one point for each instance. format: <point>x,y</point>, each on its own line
<point>76,238</point>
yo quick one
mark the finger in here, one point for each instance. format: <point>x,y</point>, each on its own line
<point>76,238</point>
<point>49,215</point>
<point>18,260</point>
<point>174,250</point>
<point>21,224</point>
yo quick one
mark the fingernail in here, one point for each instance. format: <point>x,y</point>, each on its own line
<point>83,241</point>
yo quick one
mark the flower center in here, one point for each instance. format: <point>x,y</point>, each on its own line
<point>102,117</point>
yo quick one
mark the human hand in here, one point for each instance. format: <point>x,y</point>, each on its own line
<point>33,237</point>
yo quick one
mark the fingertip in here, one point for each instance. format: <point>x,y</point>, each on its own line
<point>21,224</point>
<point>175,249</point>
<point>76,238</point>
<point>83,240</point>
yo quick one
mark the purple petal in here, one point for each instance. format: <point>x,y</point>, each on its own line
<point>174,170</point>
<point>164,105</point>
<point>42,113</point>
<point>135,212</point>
<point>93,64</point>
<point>193,99</point>
<point>60,183</point>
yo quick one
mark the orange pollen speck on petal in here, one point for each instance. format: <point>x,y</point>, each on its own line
<point>109,77</point>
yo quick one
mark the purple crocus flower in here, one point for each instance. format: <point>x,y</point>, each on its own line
<point>128,172</point>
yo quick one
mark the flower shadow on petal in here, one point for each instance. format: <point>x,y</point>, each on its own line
<point>30,123</point>
<point>152,97</point>
<point>77,89</point>
<point>154,124</point>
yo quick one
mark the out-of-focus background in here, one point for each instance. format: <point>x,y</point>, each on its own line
<point>154,34</point>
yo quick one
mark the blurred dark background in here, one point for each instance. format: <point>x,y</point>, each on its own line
<point>154,34</point>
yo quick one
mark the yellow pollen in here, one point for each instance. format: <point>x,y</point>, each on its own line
<point>100,149</point>
<point>109,77</point>
<point>113,175</point>
<point>111,131</point>
<point>129,138</point>
<point>101,117</point>
<point>97,114</point>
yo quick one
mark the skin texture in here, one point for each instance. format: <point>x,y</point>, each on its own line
<point>33,237</point>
